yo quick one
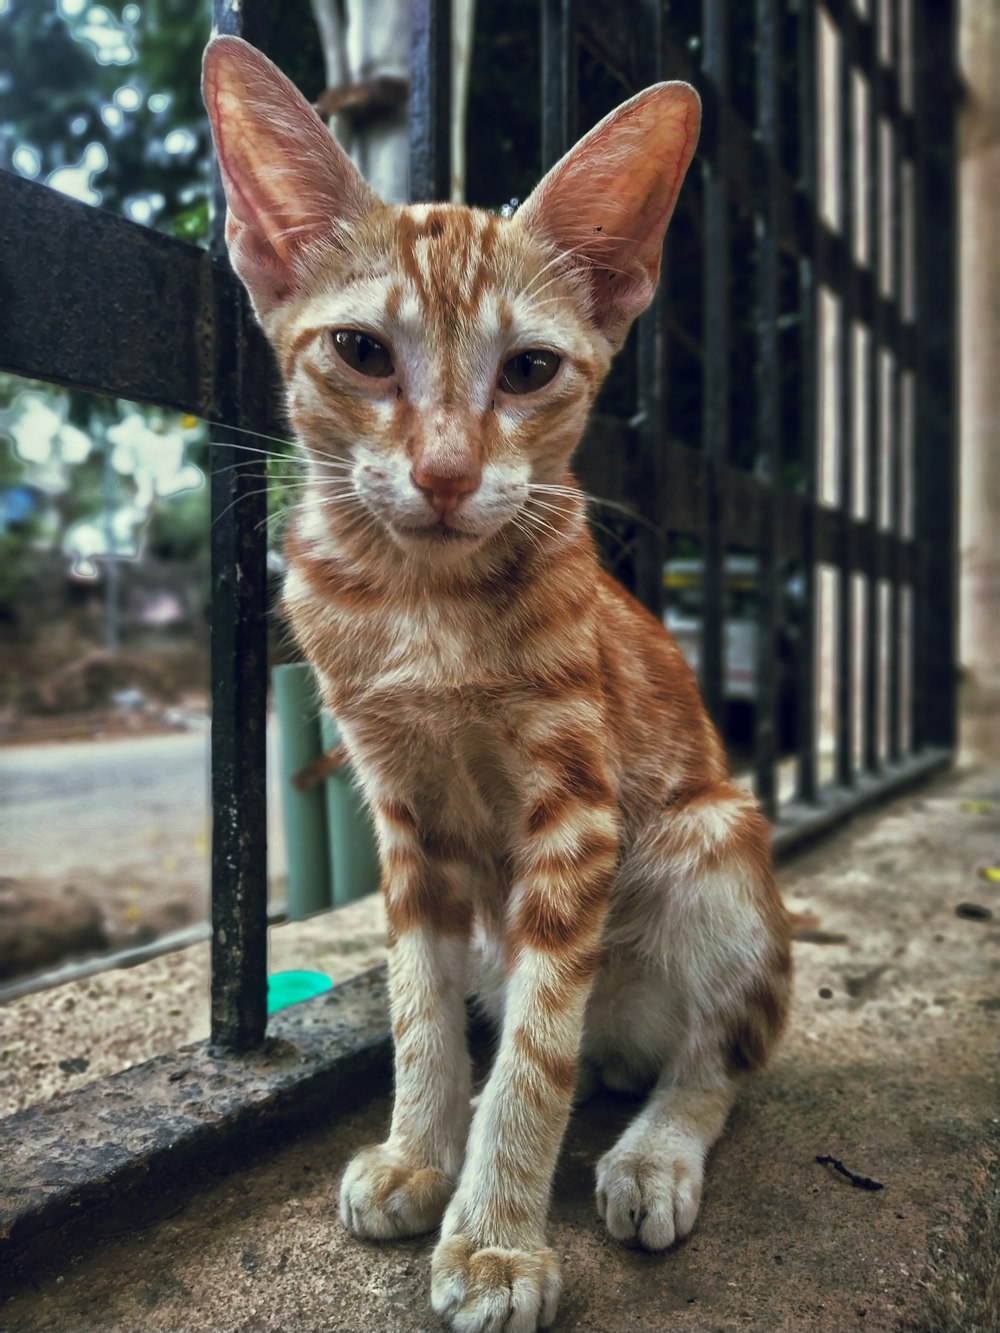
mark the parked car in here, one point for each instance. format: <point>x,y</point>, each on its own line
<point>683,584</point>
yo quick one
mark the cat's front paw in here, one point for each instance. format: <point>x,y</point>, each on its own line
<point>648,1196</point>
<point>480,1290</point>
<point>384,1197</point>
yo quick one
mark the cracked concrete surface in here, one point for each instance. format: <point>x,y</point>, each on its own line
<point>889,1066</point>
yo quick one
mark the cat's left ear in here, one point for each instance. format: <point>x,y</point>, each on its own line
<point>290,188</point>
<point>606,204</point>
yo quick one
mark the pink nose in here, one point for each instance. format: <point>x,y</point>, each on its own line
<point>444,492</point>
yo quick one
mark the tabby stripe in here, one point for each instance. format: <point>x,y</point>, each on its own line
<point>574,826</point>
<point>552,809</point>
<point>751,1032</point>
<point>302,339</point>
<point>593,851</point>
<point>558,1071</point>
<point>342,584</point>
<point>426,900</point>
<point>322,382</point>
<point>573,969</point>
<point>713,829</point>
<point>395,812</point>
<point>555,928</point>
<point>514,1169</point>
<point>579,773</point>
<point>560,679</point>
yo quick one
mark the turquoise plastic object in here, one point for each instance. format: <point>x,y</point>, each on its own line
<point>306,837</point>
<point>285,988</point>
<point>353,849</point>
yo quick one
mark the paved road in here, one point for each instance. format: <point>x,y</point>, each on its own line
<point>106,804</point>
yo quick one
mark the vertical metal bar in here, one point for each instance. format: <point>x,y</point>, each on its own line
<point>768,410</point>
<point>847,310</point>
<point>239,658</point>
<point>806,786</point>
<point>894,408</point>
<point>645,471</point>
<point>715,421</point>
<point>922,500</point>
<point>430,100</point>
<point>936,95</point>
<point>873,379</point>
<point>558,80</point>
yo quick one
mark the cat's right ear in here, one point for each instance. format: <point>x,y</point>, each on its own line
<point>289,186</point>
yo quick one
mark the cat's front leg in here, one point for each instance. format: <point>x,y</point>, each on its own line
<point>401,1187</point>
<point>492,1268</point>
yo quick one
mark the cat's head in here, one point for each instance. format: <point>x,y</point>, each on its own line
<point>439,361</point>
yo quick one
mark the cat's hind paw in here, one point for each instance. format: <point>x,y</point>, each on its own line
<point>650,1198</point>
<point>383,1197</point>
<point>484,1291</point>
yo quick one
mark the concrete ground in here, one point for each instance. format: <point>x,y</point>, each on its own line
<point>889,1066</point>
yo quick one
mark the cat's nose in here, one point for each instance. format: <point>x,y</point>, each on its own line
<point>444,491</point>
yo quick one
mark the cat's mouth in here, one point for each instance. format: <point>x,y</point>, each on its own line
<point>436,532</point>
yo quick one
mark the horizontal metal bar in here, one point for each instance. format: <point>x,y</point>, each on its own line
<point>600,458</point>
<point>743,496</point>
<point>799,823</point>
<point>96,302</point>
<point>81,968</point>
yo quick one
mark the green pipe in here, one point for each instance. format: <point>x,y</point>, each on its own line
<point>306,835</point>
<point>353,850</point>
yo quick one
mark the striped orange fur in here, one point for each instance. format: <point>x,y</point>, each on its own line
<point>557,827</point>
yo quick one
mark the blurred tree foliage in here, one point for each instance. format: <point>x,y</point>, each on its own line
<point>119,76</point>
<point>86,85</point>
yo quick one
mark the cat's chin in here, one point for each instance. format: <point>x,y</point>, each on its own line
<point>436,540</point>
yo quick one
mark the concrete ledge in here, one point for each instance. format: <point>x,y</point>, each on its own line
<point>124,1141</point>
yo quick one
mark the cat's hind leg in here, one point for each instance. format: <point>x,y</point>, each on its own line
<point>720,934</point>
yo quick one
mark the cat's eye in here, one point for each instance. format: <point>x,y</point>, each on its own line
<point>528,371</point>
<point>363,354</point>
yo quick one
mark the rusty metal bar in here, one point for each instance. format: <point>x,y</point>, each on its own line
<point>239,651</point>
<point>88,325</point>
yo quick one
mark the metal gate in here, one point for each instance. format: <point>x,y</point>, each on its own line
<point>96,302</point>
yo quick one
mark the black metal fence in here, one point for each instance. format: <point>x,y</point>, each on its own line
<point>791,395</point>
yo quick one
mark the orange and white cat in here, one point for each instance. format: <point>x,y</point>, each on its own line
<point>557,828</point>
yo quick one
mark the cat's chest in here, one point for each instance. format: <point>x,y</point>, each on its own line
<point>435,649</point>
<point>447,750</point>
<point>420,674</point>
<point>428,647</point>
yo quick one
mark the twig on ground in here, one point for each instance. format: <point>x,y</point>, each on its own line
<point>859,1182</point>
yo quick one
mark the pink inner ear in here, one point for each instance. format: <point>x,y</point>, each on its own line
<point>287,182</point>
<point>608,202</point>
